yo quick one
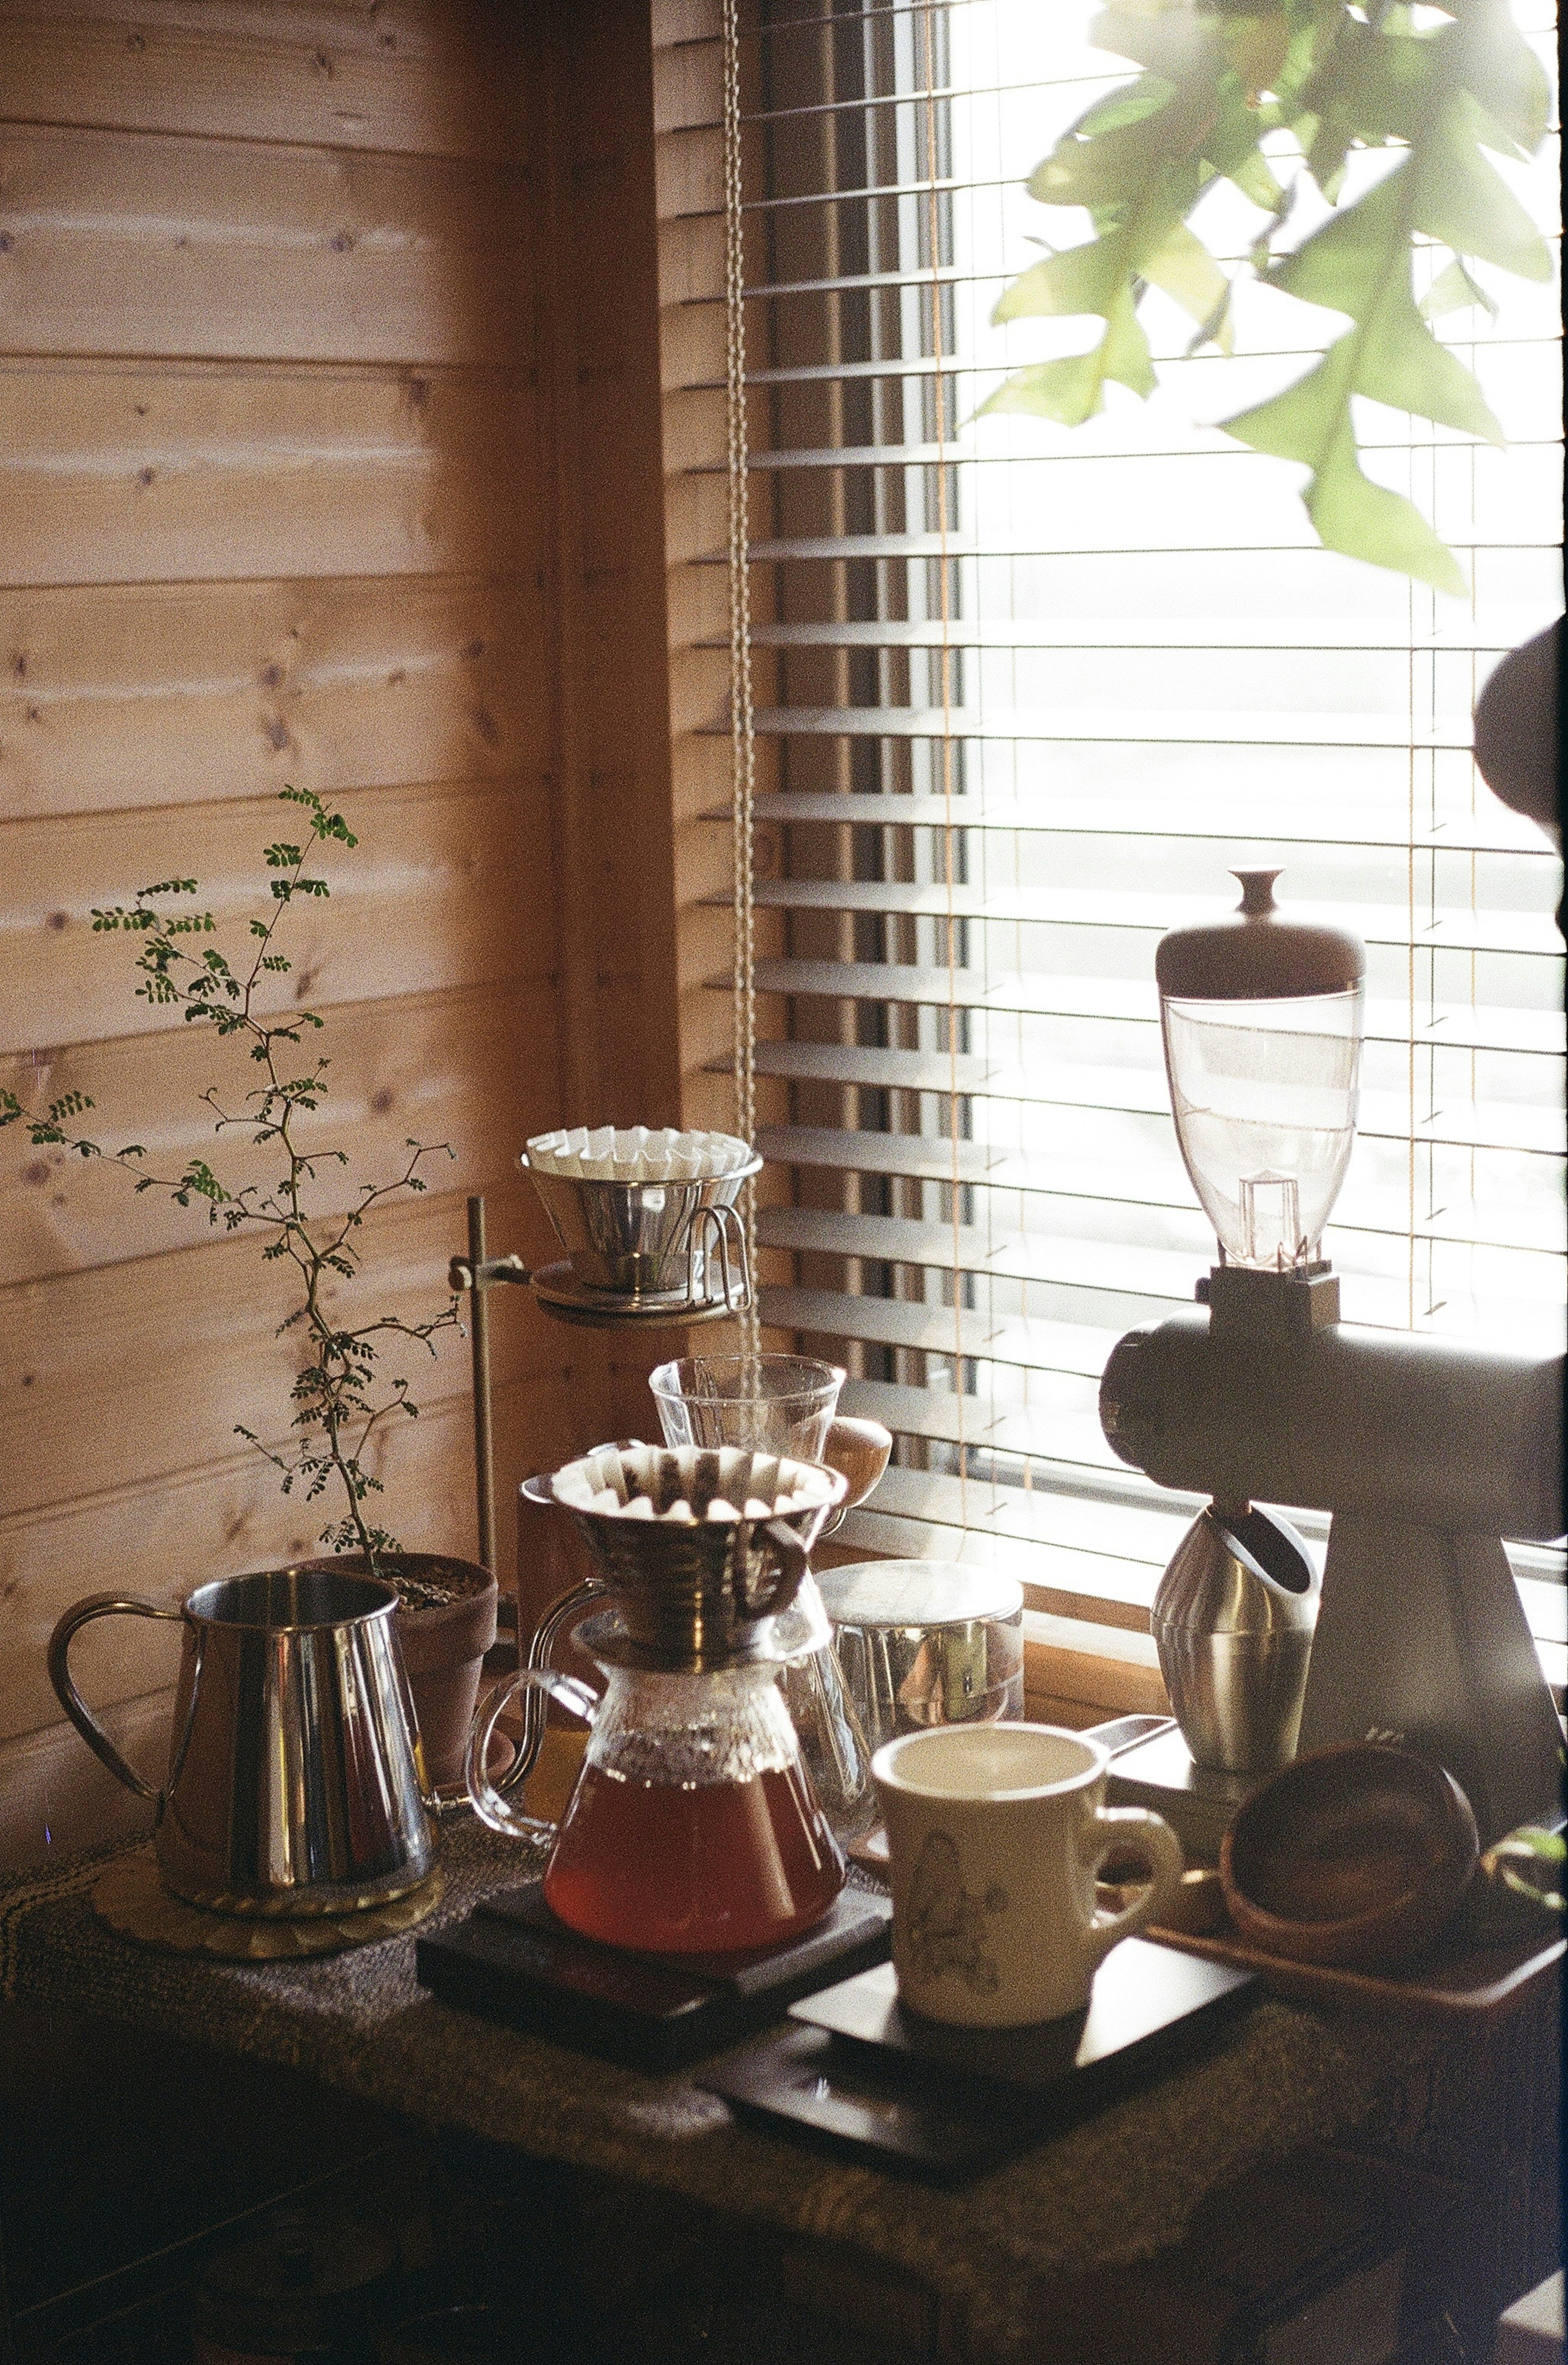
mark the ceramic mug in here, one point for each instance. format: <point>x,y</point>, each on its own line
<point>995,1835</point>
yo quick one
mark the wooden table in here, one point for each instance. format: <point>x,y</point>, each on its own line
<point>1082,2228</point>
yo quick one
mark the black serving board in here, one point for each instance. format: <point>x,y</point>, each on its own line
<point>944,2104</point>
<point>511,1960</point>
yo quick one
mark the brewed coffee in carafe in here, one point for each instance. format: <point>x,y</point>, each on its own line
<point>692,1828</point>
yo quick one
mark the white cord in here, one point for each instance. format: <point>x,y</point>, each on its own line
<point>743,742</point>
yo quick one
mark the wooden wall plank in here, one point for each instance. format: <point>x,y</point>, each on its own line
<point>141,1370</point>
<point>318,89</point>
<point>391,403</point>
<point>465,1068</point>
<point>159,1538</point>
<point>122,476</point>
<point>442,891</point>
<point>111,244</point>
<point>109,695</point>
<point>404,29</point>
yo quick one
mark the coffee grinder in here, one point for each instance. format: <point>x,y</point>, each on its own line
<point>1425,1451</point>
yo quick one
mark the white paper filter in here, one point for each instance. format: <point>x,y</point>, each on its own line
<point>601,1154</point>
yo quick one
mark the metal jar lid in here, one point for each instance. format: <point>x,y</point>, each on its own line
<point>918,1593</point>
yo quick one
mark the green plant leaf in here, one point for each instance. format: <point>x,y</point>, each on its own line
<point>1311,422</point>
<point>1453,290</point>
<point>1218,78</point>
<point>1073,389</point>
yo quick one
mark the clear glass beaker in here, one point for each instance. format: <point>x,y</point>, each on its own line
<point>769,1404</point>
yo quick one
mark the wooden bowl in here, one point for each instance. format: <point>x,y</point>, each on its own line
<point>1356,1855</point>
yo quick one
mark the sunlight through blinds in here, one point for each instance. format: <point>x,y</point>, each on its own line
<point>1023,695</point>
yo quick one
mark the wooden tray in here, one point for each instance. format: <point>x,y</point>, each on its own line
<point>1457,1980</point>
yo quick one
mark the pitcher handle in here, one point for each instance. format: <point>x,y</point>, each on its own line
<point>563,1612</point>
<point>80,1614</point>
<point>488,1803</point>
<point>1148,1835</point>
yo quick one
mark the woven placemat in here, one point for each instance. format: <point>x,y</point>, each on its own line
<point>130,1896</point>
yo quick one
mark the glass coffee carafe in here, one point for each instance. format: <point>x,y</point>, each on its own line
<point>692,1827</point>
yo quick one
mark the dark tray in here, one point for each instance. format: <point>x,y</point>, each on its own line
<point>944,2103</point>
<point>511,1960</point>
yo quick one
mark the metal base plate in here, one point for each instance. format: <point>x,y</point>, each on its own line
<point>561,1293</point>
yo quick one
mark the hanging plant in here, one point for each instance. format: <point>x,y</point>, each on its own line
<point>1217,82</point>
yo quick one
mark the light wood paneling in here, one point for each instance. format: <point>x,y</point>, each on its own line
<point>110,475</point>
<point>147,1368</point>
<point>287,85</point>
<point>407,29</point>
<point>232,689</point>
<point>328,454</point>
<point>160,1539</point>
<point>153,245</point>
<point>475,1068</point>
<point>437,895</point>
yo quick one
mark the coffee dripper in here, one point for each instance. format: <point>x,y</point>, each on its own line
<point>692,1827</point>
<point>788,1405</point>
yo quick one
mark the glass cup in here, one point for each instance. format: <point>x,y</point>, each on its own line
<point>767,1404</point>
<point>783,1403</point>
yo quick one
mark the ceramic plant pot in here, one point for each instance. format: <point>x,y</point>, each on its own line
<point>446,1622</point>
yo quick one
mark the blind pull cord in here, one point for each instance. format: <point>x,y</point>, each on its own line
<point>742,740</point>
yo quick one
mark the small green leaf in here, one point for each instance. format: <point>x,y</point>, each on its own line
<point>1311,422</point>
<point>1453,290</point>
<point>1183,267</point>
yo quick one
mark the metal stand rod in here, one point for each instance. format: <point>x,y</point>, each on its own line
<point>478,1273</point>
<point>484,1433</point>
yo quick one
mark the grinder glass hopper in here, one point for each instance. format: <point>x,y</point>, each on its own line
<point>1261,1019</point>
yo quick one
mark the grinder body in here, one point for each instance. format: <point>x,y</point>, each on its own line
<point>1425,1452</point>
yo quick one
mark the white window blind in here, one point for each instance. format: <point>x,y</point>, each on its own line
<point>1025,695</point>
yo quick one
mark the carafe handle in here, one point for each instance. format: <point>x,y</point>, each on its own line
<point>80,1614</point>
<point>490,1804</point>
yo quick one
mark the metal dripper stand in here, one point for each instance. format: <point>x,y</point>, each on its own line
<point>643,1251</point>
<point>1425,1451</point>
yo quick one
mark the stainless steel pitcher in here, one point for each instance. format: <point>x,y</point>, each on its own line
<point>296,1780</point>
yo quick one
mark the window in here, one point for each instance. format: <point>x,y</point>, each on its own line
<point>1023,695</point>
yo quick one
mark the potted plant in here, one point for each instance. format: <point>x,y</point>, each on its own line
<point>337,1399</point>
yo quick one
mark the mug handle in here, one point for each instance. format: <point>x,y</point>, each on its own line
<point>80,1614</point>
<point>1151,1838</point>
<point>488,1803</point>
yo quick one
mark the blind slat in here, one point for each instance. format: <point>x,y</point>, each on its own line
<point>1487,633</point>
<point>1067,815</point>
<point>1249,727</point>
<point>1532,1034</point>
<point>1526,934</point>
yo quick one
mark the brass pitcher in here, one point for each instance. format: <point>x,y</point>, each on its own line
<point>296,1781</point>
